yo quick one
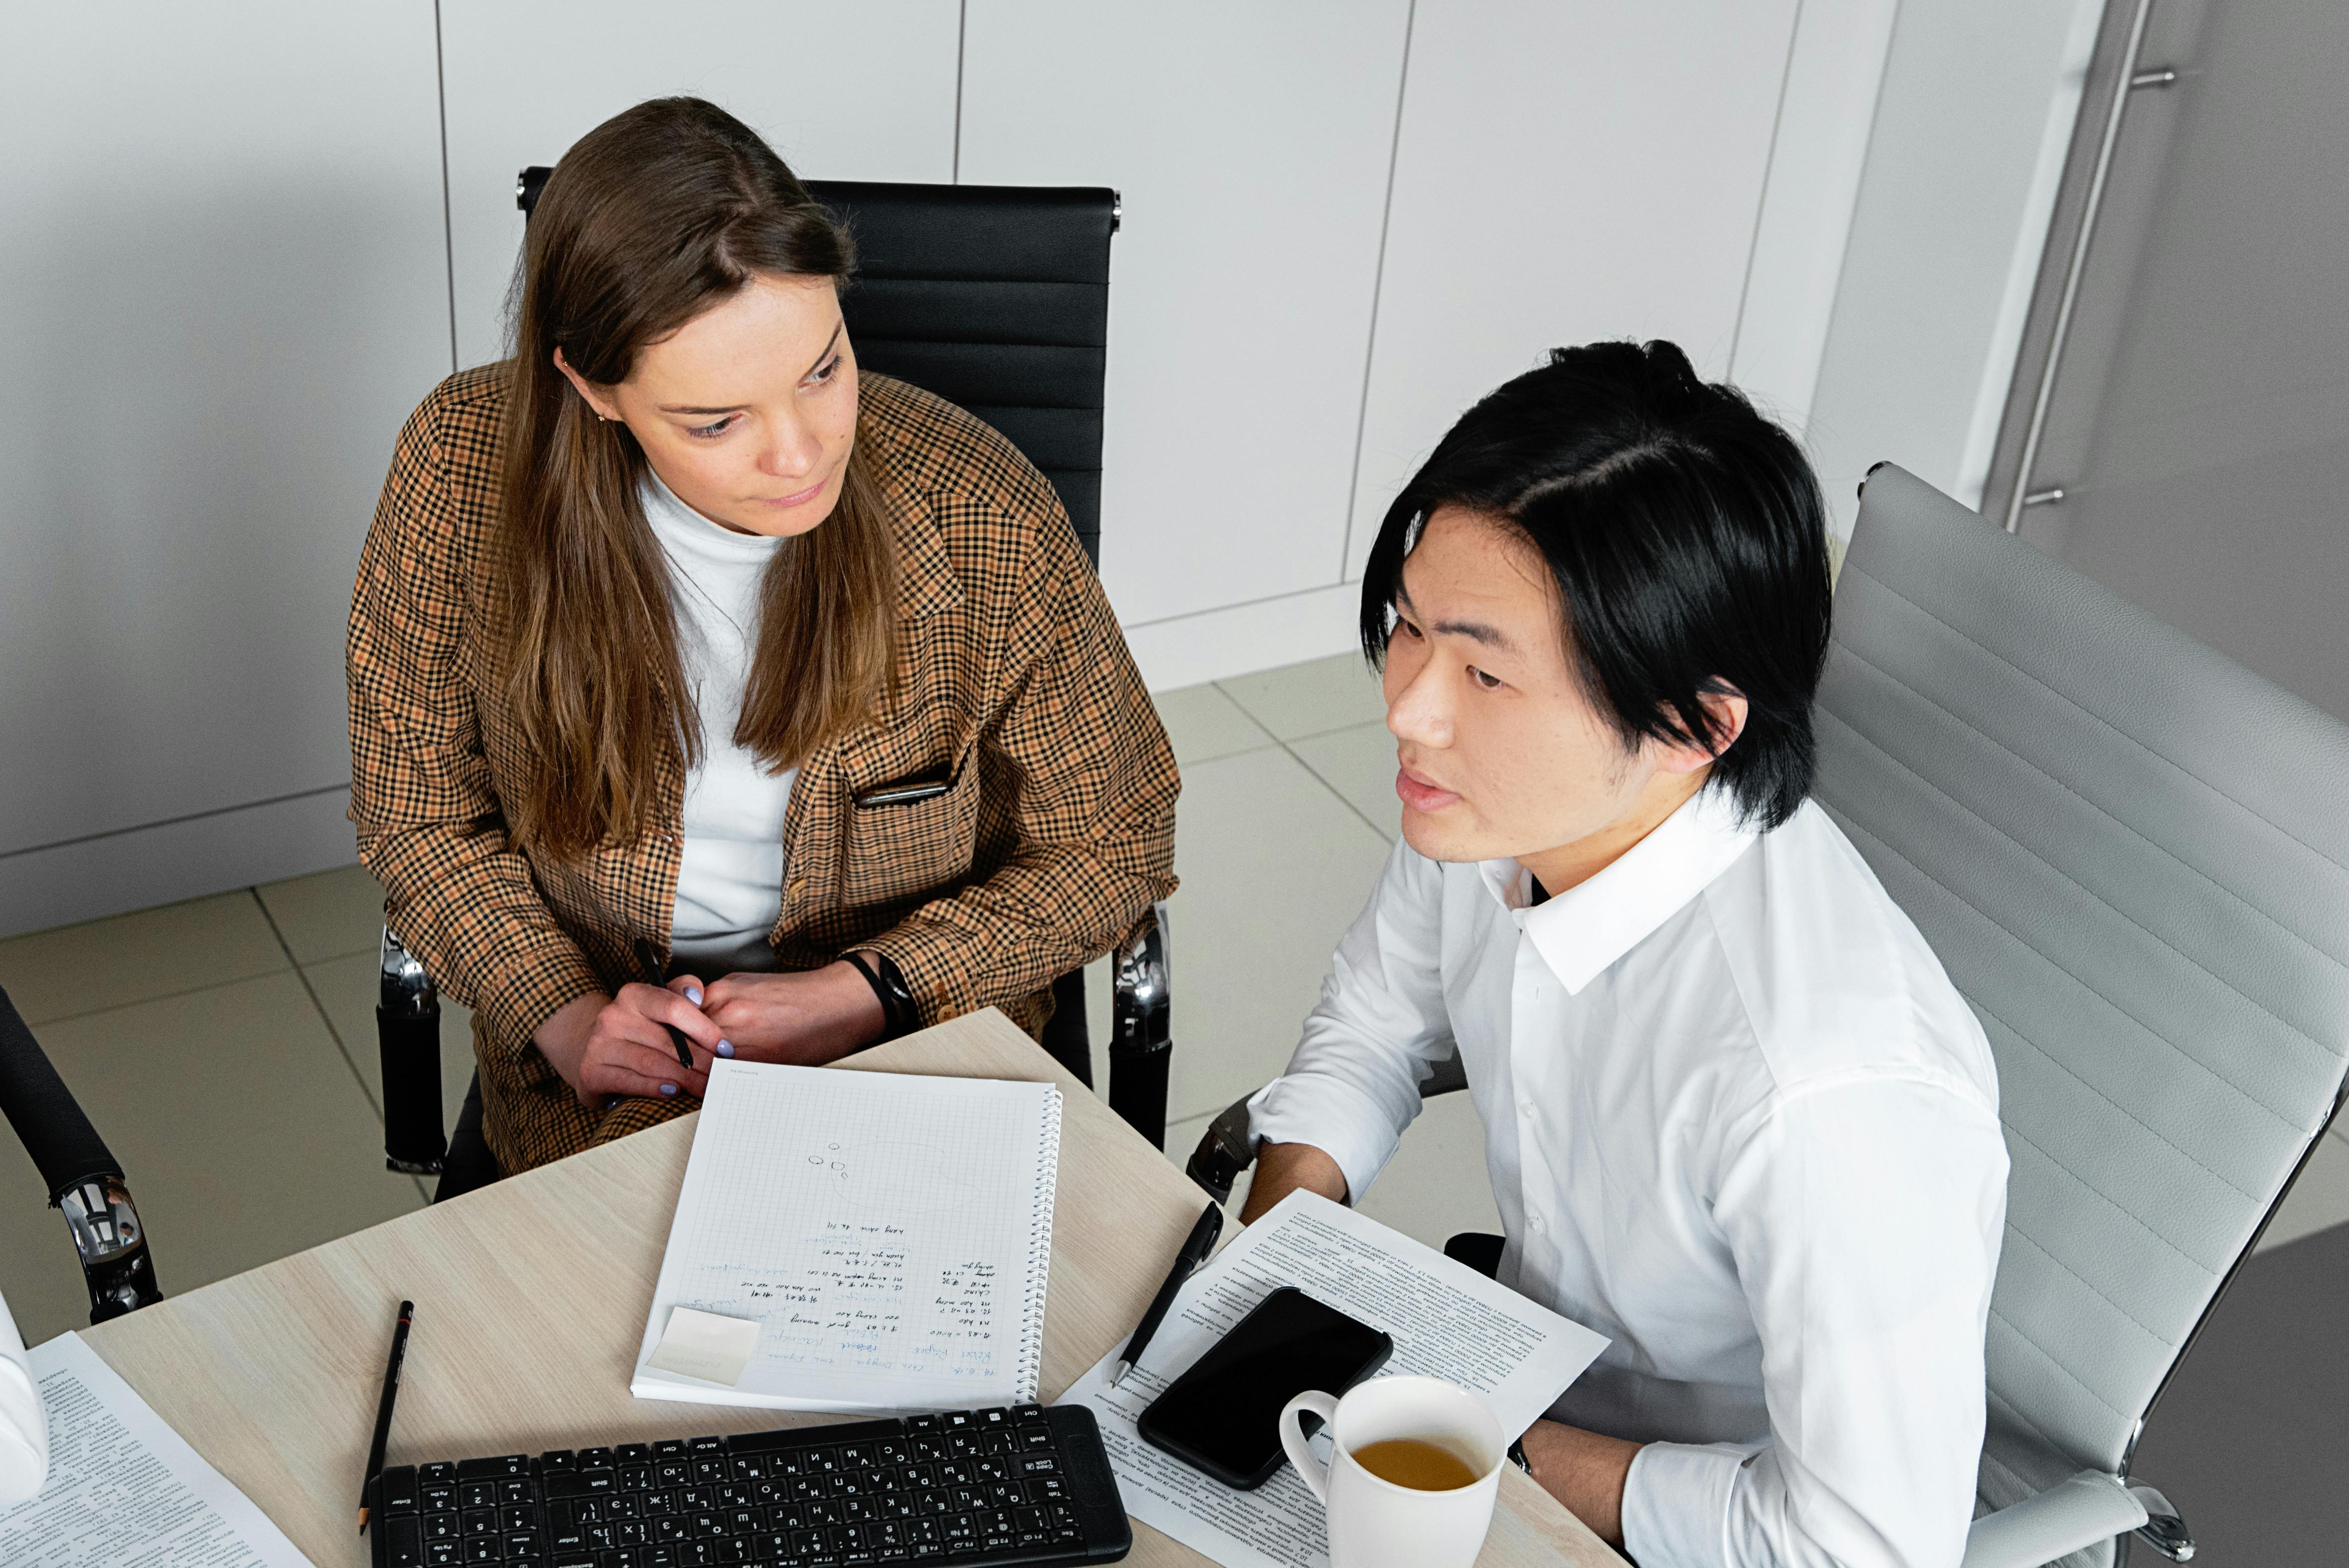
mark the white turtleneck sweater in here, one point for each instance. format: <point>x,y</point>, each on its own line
<point>729,887</point>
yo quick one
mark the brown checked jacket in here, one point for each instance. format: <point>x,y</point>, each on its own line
<point>1012,679</point>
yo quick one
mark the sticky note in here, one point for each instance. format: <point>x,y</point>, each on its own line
<point>705,1346</point>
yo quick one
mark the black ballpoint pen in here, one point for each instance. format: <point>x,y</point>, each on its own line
<point>1186,1264</point>
<point>676,1037</point>
<point>383,1408</point>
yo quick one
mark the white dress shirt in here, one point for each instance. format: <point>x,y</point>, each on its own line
<point>729,883</point>
<point>1738,1120</point>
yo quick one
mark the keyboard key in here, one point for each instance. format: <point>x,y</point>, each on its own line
<point>439,1495</point>
<point>482,1549</point>
<point>397,1493</point>
<point>583,1483</point>
<point>595,1458</point>
<point>497,1469</point>
<point>477,1494</point>
<point>403,1542</point>
<point>1027,1415</point>
<point>557,1459</point>
<point>437,1475</point>
<point>1039,1464</point>
<point>444,1553</point>
<point>1034,1438</point>
<point>480,1522</point>
<point>636,1478</point>
<point>441,1527</point>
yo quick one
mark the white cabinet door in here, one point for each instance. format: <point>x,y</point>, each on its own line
<point>1251,144</point>
<point>1564,173</point>
<point>843,92</point>
<point>222,288</point>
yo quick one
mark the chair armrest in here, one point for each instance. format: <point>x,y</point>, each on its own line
<point>1142,1038</point>
<point>1225,1149</point>
<point>84,1179</point>
<point>2090,1507</point>
<point>407,1044</point>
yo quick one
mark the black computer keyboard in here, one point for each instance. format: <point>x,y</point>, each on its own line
<point>1022,1484</point>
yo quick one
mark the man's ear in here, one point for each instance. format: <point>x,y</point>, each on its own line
<point>1726,708</point>
<point>605,408</point>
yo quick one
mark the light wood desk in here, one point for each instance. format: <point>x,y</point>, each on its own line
<point>531,1298</point>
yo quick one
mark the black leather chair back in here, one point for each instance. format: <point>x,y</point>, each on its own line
<point>995,297</point>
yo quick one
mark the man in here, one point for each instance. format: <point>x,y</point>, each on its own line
<point>1737,1117</point>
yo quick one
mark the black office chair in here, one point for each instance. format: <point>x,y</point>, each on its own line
<point>995,298</point>
<point>85,1179</point>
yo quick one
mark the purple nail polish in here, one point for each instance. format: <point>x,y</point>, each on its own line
<point>693,994</point>
<point>669,1089</point>
<point>725,1048</point>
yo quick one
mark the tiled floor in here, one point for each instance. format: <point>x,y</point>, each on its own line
<point>226,1046</point>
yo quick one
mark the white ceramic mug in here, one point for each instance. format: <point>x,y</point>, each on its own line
<point>1374,1522</point>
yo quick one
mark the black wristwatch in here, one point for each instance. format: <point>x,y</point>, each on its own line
<point>1517,1454</point>
<point>900,1014</point>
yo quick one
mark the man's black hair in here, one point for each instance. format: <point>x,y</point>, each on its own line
<point>1687,536</point>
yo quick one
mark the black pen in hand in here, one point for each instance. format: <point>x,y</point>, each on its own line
<point>1194,1252</point>
<point>676,1037</point>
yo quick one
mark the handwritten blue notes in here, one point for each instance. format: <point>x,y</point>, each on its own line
<point>888,1234</point>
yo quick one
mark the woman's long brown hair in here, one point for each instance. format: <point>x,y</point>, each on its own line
<point>654,217</point>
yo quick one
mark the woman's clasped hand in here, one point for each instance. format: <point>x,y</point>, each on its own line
<point>621,1045</point>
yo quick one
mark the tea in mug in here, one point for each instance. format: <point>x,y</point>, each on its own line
<point>1421,1466</point>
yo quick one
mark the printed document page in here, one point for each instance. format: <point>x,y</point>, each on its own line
<point>1446,1320</point>
<point>124,1490</point>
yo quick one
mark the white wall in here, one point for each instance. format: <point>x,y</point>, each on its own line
<point>1250,145</point>
<point>1345,219</point>
<point>1564,173</point>
<point>222,288</point>
<point>843,92</point>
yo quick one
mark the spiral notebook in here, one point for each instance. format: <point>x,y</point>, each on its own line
<point>857,1240</point>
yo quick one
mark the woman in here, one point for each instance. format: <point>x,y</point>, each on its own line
<point>678,650</point>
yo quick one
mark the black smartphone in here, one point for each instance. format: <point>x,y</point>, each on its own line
<point>1222,1415</point>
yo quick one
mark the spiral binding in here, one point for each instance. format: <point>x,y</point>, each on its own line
<point>1039,1251</point>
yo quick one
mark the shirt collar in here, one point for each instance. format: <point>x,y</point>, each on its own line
<point>1582,930</point>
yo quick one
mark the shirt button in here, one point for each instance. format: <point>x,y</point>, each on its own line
<point>1535,1223</point>
<point>1524,1107</point>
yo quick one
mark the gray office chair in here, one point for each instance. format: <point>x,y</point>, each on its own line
<point>2130,855</point>
<point>995,298</point>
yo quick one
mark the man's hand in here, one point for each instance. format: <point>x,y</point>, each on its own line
<point>1281,1168</point>
<point>1583,1470</point>
<point>604,1046</point>
<point>806,1018</point>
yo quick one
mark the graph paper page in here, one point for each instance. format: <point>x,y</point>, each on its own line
<point>889,1233</point>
